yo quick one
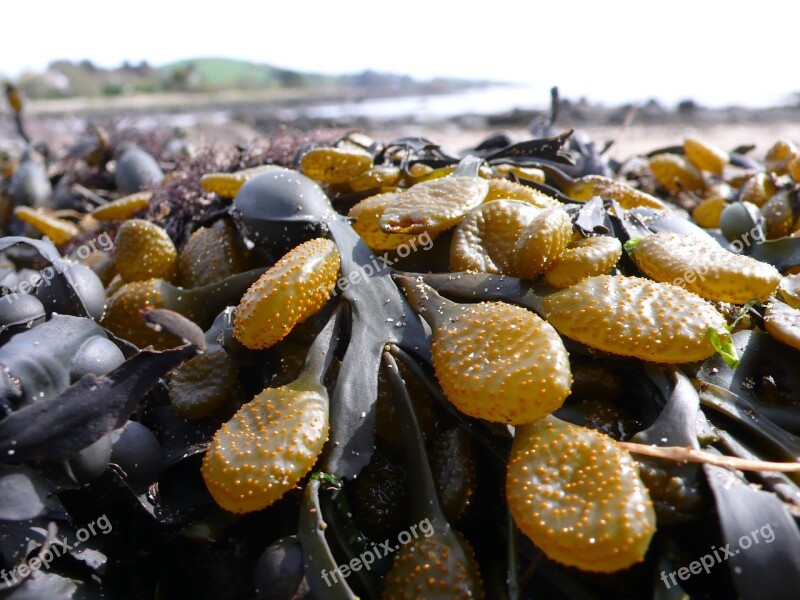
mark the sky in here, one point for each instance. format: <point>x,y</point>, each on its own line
<point>717,53</point>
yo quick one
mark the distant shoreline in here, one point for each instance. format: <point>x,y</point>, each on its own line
<point>583,109</point>
<point>227,118</point>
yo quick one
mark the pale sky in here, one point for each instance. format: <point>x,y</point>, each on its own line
<point>611,50</point>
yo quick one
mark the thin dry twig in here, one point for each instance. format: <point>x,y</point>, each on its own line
<point>682,454</point>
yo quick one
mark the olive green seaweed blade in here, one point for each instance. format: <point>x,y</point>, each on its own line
<point>762,534</point>
<point>380,315</point>
<point>437,563</point>
<point>318,558</point>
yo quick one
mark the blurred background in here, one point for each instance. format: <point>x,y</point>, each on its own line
<point>639,74</point>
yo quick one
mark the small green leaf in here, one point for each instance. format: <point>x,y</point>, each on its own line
<point>327,478</point>
<point>723,344</point>
<point>631,244</point>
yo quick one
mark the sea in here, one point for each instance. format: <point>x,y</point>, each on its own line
<point>497,100</point>
<point>421,108</point>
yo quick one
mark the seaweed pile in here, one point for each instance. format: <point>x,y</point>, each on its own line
<point>325,366</point>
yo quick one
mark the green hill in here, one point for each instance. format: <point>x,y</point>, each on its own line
<point>223,73</point>
<point>65,79</point>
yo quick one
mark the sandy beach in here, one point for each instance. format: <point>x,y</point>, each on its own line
<point>214,119</point>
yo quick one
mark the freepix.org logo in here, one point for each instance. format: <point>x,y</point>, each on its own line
<point>46,275</point>
<point>366,559</point>
<point>719,555</point>
<point>384,261</point>
<point>57,548</point>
